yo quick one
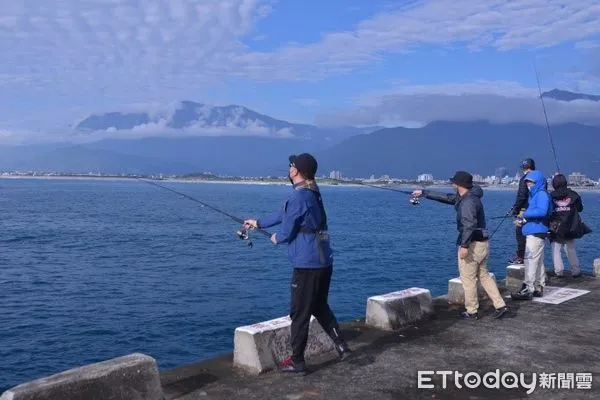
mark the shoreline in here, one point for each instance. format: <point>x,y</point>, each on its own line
<point>586,189</point>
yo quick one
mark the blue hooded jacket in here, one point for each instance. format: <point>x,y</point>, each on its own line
<point>301,213</point>
<point>540,206</point>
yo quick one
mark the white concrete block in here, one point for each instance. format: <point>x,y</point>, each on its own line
<point>456,293</point>
<point>133,377</point>
<point>597,267</point>
<point>515,276</point>
<point>260,347</point>
<point>397,309</point>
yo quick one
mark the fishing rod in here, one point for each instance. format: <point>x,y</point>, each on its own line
<point>546,117</point>
<point>414,200</point>
<point>242,233</point>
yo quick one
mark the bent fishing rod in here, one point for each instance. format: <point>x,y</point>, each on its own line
<point>242,233</point>
<point>546,117</point>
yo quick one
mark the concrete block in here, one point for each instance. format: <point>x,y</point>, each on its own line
<point>132,377</point>
<point>394,310</point>
<point>456,293</point>
<point>515,276</point>
<point>597,267</point>
<point>260,347</point>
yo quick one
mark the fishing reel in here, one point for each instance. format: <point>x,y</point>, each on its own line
<point>244,235</point>
<point>415,201</point>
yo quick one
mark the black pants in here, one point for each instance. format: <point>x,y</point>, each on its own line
<point>521,240</point>
<point>310,291</point>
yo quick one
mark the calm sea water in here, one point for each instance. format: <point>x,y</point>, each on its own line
<point>91,270</point>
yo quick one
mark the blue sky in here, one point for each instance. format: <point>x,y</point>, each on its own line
<point>335,62</point>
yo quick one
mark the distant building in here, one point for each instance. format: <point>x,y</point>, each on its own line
<point>425,178</point>
<point>501,172</point>
<point>335,175</point>
<point>478,178</point>
<point>577,178</point>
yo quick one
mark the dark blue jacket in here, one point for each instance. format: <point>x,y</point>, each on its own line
<point>300,212</point>
<point>539,210</point>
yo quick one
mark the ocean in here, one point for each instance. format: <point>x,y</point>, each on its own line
<point>96,269</point>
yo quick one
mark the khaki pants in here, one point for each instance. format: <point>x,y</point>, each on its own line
<point>473,267</point>
<point>535,272</point>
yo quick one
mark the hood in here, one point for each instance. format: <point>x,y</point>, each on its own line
<point>559,183</point>
<point>540,182</point>
<point>476,190</point>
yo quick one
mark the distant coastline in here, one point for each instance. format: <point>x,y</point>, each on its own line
<point>270,181</point>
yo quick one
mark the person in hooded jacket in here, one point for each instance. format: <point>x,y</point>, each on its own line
<point>473,243</point>
<point>519,207</point>
<point>566,225</point>
<point>535,223</point>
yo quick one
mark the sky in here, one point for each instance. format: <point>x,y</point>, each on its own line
<point>333,63</point>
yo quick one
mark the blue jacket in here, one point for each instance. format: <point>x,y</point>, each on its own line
<point>302,211</point>
<point>540,207</point>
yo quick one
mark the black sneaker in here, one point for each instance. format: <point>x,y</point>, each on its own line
<point>538,293</point>
<point>289,365</point>
<point>527,295</point>
<point>499,313</point>
<point>343,351</point>
<point>576,275</point>
<point>468,315</point>
<point>517,261</point>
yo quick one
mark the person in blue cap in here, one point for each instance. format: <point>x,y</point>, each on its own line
<point>304,229</point>
<point>535,223</point>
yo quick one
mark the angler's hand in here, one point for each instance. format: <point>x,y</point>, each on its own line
<point>274,239</point>
<point>417,193</point>
<point>250,223</point>
<point>462,253</point>
<point>518,222</point>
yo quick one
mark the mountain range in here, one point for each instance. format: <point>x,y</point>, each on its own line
<point>437,148</point>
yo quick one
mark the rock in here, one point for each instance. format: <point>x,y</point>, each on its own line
<point>397,309</point>
<point>132,377</point>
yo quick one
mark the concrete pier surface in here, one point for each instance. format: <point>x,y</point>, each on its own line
<point>560,343</point>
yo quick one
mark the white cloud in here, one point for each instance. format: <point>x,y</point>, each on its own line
<point>493,23</point>
<point>501,102</point>
<point>162,48</point>
<point>124,49</point>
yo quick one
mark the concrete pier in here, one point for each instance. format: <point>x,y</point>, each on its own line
<point>534,337</point>
<point>548,348</point>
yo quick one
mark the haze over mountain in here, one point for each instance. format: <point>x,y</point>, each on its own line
<point>192,118</point>
<point>235,140</point>
<point>564,95</point>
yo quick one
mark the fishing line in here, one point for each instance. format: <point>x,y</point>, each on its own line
<point>546,117</point>
<point>242,233</point>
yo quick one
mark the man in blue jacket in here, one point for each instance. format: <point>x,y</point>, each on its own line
<point>535,223</point>
<point>304,229</point>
